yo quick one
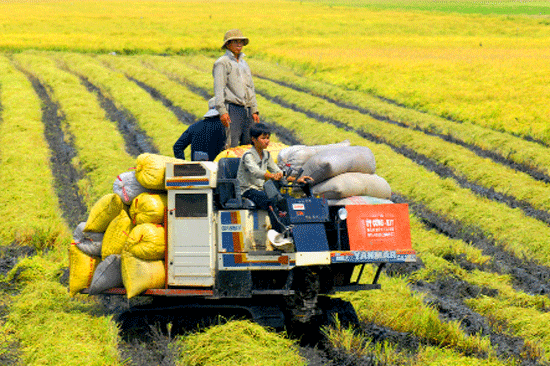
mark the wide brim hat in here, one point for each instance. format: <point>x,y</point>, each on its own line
<point>212,111</point>
<point>234,34</point>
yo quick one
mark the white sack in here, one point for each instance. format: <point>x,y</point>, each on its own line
<point>127,187</point>
<point>358,200</point>
<point>332,162</point>
<point>353,184</point>
<point>297,155</point>
<point>88,241</point>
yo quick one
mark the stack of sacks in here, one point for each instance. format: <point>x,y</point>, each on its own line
<point>123,241</point>
<point>236,152</point>
<point>338,170</point>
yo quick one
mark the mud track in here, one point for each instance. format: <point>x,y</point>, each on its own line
<point>136,140</point>
<point>152,347</point>
<point>62,151</point>
<point>528,276</point>
<point>284,135</point>
<point>498,158</point>
<point>430,164</point>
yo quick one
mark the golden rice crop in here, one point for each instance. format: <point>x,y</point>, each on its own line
<point>489,70</point>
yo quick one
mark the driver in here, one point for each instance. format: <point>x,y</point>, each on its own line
<point>257,166</point>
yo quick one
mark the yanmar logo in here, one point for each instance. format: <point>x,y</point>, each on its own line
<point>232,228</point>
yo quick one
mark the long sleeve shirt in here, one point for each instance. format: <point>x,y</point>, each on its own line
<point>233,83</point>
<point>206,137</point>
<point>252,169</point>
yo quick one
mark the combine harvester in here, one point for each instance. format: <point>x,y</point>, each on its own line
<point>221,252</point>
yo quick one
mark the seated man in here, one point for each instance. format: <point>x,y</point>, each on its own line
<point>207,137</point>
<point>256,167</point>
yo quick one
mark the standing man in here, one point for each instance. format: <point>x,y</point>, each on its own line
<point>234,90</point>
<point>206,137</point>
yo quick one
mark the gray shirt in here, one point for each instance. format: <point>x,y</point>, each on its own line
<point>253,168</point>
<point>233,83</point>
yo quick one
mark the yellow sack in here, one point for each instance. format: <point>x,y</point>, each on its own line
<point>238,151</point>
<point>81,269</point>
<point>103,212</point>
<point>116,235</point>
<point>151,169</point>
<point>148,207</point>
<point>139,275</point>
<point>274,148</point>
<point>234,152</point>
<point>147,242</point>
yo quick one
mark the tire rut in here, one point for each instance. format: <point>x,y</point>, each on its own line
<point>62,151</point>
<point>527,275</point>
<point>497,158</point>
<point>182,115</point>
<point>136,140</point>
<point>448,308</point>
<point>284,135</point>
<point>447,296</point>
<point>428,163</point>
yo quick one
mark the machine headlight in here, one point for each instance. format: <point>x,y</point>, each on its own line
<point>342,214</point>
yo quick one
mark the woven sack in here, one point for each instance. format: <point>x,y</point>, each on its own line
<point>81,269</point>
<point>107,275</point>
<point>151,170</point>
<point>148,207</point>
<point>88,241</point>
<point>146,241</point>
<point>116,235</point>
<point>297,155</point>
<point>353,184</point>
<point>238,151</point>
<point>139,275</point>
<point>103,212</point>
<point>329,163</point>
<point>127,187</point>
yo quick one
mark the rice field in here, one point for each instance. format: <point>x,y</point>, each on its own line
<point>451,97</point>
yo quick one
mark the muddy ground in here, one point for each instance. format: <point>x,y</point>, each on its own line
<point>447,295</point>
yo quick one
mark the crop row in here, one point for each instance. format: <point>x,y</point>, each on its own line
<point>504,146</point>
<point>193,74</point>
<point>28,203</point>
<point>100,148</point>
<point>487,70</point>
<point>102,155</point>
<point>514,230</point>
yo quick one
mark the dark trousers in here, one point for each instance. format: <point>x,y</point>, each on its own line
<point>239,129</point>
<point>261,201</point>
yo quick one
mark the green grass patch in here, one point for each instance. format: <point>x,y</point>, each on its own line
<point>406,311</point>
<point>501,7</point>
<point>356,344</point>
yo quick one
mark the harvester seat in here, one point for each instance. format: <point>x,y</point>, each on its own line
<point>228,188</point>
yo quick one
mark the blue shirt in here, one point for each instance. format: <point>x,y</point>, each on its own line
<point>206,137</point>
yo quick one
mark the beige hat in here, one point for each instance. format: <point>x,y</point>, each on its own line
<point>233,34</point>
<point>212,111</point>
